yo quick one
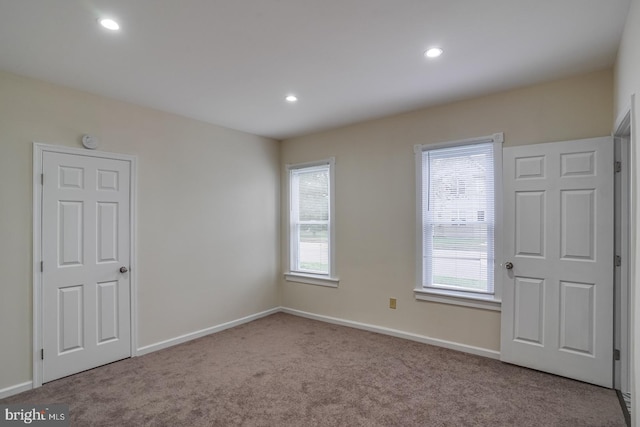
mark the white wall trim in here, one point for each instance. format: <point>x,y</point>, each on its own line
<point>331,282</point>
<point>478,351</point>
<point>204,332</point>
<point>634,295</point>
<point>15,389</point>
<point>38,150</point>
<point>465,299</point>
<point>497,138</point>
<point>19,388</point>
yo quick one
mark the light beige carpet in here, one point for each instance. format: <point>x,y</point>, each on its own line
<point>284,370</point>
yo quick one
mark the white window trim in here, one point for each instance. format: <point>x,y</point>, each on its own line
<point>312,279</point>
<point>446,296</point>
<point>466,299</point>
<point>331,279</point>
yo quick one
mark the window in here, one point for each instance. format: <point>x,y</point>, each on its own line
<point>457,210</point>
<point>311,236</point>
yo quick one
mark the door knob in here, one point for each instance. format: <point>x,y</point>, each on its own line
<point>508,265</point>
<point>123,269</point>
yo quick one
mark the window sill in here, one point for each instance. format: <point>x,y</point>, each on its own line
<point>310,279</point>
<point>466,299</point>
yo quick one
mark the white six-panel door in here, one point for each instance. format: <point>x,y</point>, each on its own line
<point>85,242</point>
<point>557,300</point>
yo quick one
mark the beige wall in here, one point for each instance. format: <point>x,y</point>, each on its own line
<point>627,83</point>
<point>208,202</point>
<point>627,68</point>
<point>375,199</point>
<point>208,212</point>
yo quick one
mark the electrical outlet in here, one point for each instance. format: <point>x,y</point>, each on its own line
<point>392,303</point>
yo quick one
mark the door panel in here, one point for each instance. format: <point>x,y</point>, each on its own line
<point>107,311</point>
<point>557,301</point>
<point>70,233</point>
<point>71,318</point>
<point>85,241</point>
<point>577,235</point>
<point>577,315</point>
<point>529,310</point>
<point>530,232</point>
<point>107,229</point>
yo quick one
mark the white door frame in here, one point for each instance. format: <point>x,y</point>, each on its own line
<point>622,298</point>
<point>38,151</point>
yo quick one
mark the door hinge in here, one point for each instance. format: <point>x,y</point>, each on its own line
<point>41,266</point>
<point>616,354</point>
<point>618,261</point>
<point>42,178</point>
<point>42,354</point>
<point>618,166</point>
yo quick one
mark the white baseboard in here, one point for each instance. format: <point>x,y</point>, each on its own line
<point>479,351</point>
<point>203,332</point>
<point>492,354</point>
<point>15,389</point>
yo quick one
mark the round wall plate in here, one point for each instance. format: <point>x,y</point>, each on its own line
<point>90,142</point>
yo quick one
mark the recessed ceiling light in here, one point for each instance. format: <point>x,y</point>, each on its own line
<point>434,52</point>
<point>110,24</point>
<point>291,98</point>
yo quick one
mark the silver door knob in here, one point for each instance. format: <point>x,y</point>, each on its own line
<point>123,269</point>
<point>508,265</point>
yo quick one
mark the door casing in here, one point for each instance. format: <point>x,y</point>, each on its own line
<point>623,300</point>
<point>38,150</point>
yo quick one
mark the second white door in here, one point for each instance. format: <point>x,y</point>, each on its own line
<point>557,300</point>
<point>85,244</point>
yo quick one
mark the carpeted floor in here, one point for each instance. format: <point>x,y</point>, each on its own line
<point>284,370</point>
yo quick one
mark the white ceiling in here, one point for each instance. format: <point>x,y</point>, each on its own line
<point>231,62</point>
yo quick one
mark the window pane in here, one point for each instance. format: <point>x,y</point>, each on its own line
<point>458,215</point>
<point>310,217</point>
<point>313,248</point>
<point>459,257</point>
<point>313,195</point>
<point>460,185</point>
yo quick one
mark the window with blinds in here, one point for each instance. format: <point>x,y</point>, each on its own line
<point>458,218</point>
<point>310,219</point>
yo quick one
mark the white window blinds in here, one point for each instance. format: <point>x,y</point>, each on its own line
<point>458,218</point>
